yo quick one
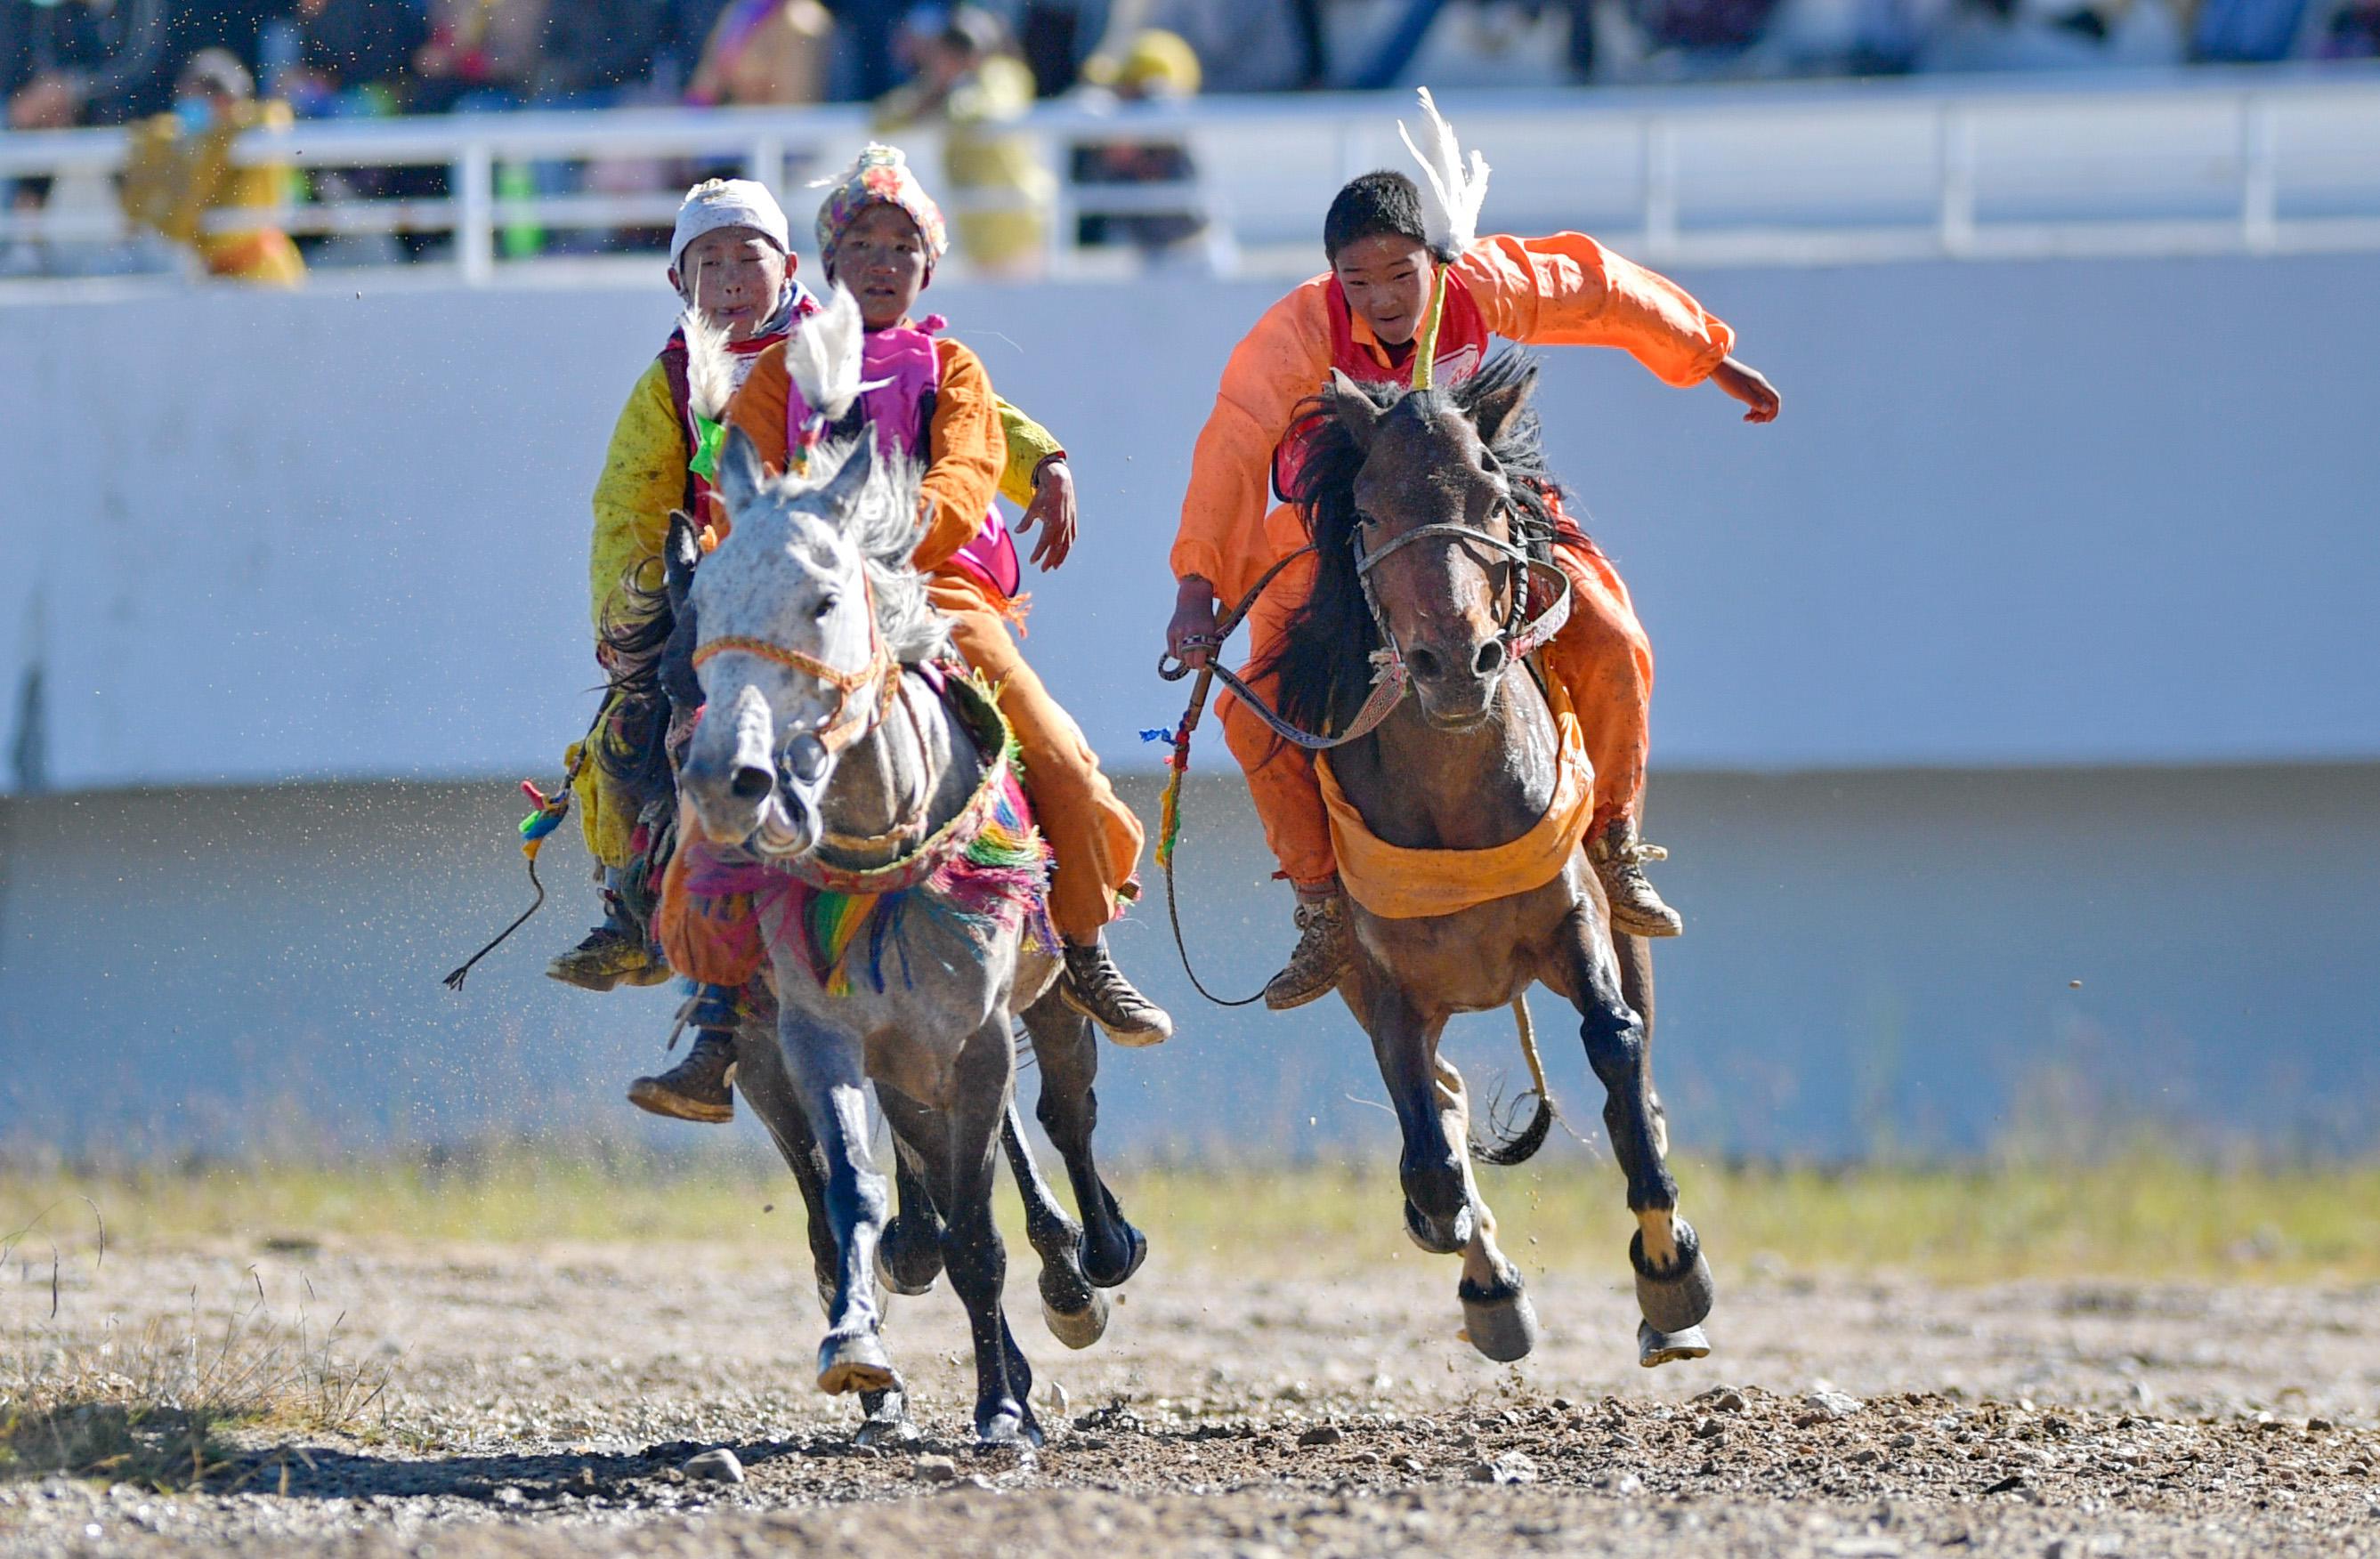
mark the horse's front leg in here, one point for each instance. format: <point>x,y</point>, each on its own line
<point>1496,1315</point>
<point>1066,1048</point>
<point>1674,1289</point>
<point>826,1066</point>
<point>1434,1170</point>
<point>760,1074</point>
<point>1076,1313</point>
<point>972,1252</point>
<point>911,1255</point>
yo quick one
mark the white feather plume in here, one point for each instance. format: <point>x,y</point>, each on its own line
<point>1452,191</point>
<point>822,354</point>
<point>709,371</point>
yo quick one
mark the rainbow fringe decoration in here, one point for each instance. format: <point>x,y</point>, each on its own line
<point>987,878</point>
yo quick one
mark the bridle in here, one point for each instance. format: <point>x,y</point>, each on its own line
<point>853,717</point>
<point>1522,635</point>
<point>847,725</point>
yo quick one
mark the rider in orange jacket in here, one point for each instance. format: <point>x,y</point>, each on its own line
<point>1405,269</point>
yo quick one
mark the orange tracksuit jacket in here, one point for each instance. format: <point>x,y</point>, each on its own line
<point>1566,290</point>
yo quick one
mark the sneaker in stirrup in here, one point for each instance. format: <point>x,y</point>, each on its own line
<point>1321,955</point>
<point>1094,987</point>
<point>614,953</point>
<point>700,1087</point>
<point>1619,858</point>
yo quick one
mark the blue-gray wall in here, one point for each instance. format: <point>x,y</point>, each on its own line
<point>2033,646</point>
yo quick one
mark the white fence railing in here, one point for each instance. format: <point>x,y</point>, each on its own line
<point>2261,162</point>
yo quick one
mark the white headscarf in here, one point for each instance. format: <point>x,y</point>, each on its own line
<point>729,202</point>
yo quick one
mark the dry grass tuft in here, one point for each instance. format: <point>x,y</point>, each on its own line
<point>151,1408</point>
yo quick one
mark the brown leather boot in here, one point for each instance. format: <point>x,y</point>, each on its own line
<point>1321,955</point>
<point>1094,987</point>
<point>697,1088</point>
<point>1619,858</point>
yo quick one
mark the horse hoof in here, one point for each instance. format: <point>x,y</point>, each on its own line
<point>1503,1326</point>
<point>1679,1299</point>
<point>1655,1348</point>
<point>856,1363</point>
<point>1009,1429</point>
<point>1108,1263</point>
<point>907,1265</point>
<point>1077,1328</point>
<point>1432,1239</point>
<point>887,1423</point>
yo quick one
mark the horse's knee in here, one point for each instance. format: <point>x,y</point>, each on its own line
<point>864,1193</point>
<point>1069,1116</point>
<point>1615,1047</point>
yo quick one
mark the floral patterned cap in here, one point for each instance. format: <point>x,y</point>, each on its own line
<point>880,176</point>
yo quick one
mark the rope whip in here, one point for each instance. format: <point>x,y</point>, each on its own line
<point>547,816</point>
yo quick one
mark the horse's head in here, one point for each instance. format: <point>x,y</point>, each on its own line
<point>1442,597</point>
<point>803,615</point>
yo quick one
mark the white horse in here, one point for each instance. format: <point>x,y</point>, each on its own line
<point>829,762</point>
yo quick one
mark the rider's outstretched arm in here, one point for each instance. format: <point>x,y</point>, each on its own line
<point>1568,290</point>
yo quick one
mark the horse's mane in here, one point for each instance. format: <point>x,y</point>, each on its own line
<point>1323,663</point>
<point>649,635</point>
<point>885,527</point>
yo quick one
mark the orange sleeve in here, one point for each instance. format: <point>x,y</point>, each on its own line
<point>760,407</point>
<point>1568,290</point>
<point>966,452</point>
<point>1277,367</point>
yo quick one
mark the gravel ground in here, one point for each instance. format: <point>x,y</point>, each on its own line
<point>546,1402</point>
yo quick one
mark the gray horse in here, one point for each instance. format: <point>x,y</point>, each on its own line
<point>823,746</point>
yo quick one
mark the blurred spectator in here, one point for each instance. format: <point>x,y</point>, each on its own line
<point>1246,45</point>
<point>2041,35</point>
<point>764,51</point>
<point>178,170</point>
<point>2353,31</point>
<point>968,82</point>
<point>1158,68</point>
<point>72,62</point>
<point>352,56</point>
<point>481,53</point>
<point>1701,33</point>
<point>2247,31</point>
<point>598,51</point>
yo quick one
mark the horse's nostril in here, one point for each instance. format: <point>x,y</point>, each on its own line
<point>1426,663</point>
<point>1490,659</point>
<point>751,782</point>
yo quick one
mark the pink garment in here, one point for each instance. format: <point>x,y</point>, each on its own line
<point>898,366</point>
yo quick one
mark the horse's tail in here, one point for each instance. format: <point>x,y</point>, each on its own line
<point>1523,1145</point>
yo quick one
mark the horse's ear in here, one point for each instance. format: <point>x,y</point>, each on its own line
<point>740,472</point>
<point>841,493</point>
<point>1494,411</point>
<point>680,553</point>
<point>1357,412</point>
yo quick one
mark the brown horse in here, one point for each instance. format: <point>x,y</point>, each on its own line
<point>1430,510</point>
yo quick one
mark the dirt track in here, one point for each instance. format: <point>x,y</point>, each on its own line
<point>544,1402</point>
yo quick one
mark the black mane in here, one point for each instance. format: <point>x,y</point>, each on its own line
<point>648,643</point>
<point>1324,664</point>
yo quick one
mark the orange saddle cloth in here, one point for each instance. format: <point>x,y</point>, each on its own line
<point>1400,884</point>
